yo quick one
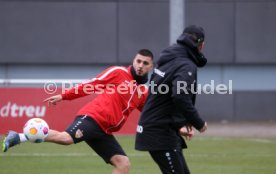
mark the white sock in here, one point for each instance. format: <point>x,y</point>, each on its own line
<point>22,138</point>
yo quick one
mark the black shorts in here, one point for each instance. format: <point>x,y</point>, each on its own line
<point>170,161</point>
<point>84,128</point>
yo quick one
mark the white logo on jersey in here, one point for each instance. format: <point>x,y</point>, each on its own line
<point>78,134</point>
<point>158,72</point>
<point>139,129</point>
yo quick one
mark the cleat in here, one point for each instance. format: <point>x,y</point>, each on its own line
<point>10,140</point>
<point>4,146</point>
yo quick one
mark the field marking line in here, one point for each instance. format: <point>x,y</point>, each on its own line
<point>130,155</point>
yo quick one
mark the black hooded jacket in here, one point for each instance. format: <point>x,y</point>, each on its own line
<point>169,108</point>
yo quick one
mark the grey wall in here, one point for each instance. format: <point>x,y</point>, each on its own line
<point>218,25</point>
<point>240,39</point>
<point>81,31</point>
<point>142,25</point>
<point>39,32</point>
<point>237,31</point>
<point>111,31</point>
<point>255,32</point>
<point>240,106</point>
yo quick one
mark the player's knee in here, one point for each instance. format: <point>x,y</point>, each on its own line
<point>121,162</point>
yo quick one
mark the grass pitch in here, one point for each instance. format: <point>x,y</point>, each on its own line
<point>208,155</point>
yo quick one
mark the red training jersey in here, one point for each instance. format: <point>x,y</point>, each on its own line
<point>119,95</point>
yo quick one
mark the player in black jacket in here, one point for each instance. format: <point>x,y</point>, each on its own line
<point>171,100</point>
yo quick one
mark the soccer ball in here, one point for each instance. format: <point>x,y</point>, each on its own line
<point>36,130</point>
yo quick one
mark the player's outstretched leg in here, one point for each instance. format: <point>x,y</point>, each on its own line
<point>10,140</point>
<point>13,138</point>
<point>57,137</point>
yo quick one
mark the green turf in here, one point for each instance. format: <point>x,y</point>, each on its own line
<point>205,155</point>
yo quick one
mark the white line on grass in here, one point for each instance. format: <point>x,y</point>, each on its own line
<point>259,140</point>
<point>58,154</point>
<point>130,155</point>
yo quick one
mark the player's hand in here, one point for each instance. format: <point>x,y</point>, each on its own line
<point>204,128</point>
<point>53,100</point>
<point>187,132</point>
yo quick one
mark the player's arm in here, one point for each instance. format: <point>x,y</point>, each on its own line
<point>182,97</point>
<point>97,84</point>
<point>85,88</point>
<point>53,99</point>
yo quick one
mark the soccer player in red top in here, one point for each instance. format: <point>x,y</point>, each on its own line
<point>121,90</point>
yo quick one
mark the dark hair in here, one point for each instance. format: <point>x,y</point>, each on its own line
<point>146,52</point>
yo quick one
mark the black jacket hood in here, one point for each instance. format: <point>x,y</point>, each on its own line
<point>185,48</point>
